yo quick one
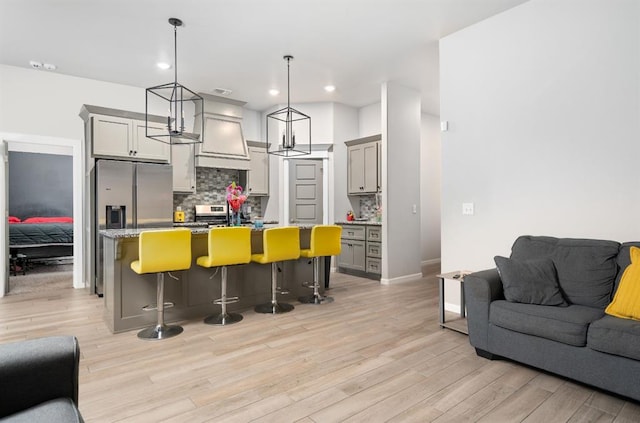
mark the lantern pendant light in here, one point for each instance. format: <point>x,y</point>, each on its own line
<point>174,99</point>
<point>285,142</point>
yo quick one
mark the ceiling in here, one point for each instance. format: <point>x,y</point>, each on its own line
<point>238,45</point>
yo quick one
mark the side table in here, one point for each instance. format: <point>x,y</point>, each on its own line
<point>459,325</point>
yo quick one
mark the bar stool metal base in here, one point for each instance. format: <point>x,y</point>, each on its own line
<point>223,319</point>
<point>271,308</point>
<point>315,299</point>
<point>158,332</point>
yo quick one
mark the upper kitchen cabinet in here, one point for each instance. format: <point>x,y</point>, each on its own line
<point>223,144</point>
<point>121,134</point>
<point>363,165</point>
<point>258,174</point>
<point>184,168</point>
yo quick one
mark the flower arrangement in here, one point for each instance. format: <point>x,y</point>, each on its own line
<point>235,197</point>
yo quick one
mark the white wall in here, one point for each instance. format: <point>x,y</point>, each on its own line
<point>543,103</point>
<point>42,108</point>
<point>46,103</point>
<point>430,179</point>
<point>370,120</point>
<point>400,183</point>
<point>323,122</point>
<point>345,129</point>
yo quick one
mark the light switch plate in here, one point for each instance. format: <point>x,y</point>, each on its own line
<point>467,209</point>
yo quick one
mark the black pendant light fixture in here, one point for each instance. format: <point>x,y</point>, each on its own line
<point>173,99</point>
<point>286,144</point>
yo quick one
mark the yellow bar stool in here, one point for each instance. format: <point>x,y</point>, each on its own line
<point>278,244</point>
<point>325,241</point>
<point>227,247</point>
<point>159,252</point>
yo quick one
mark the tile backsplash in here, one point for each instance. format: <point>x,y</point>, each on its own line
<point>211,184</point>
<point>368,205</point>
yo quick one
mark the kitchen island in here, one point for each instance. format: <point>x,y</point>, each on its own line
<point>126,292</point>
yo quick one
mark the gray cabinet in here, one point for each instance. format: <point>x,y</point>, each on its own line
<point>258,173</point>
<point>184,168</point>
<point>361,250</point>
<point>352,243</point>
<point>374,249</point>
<point>363,165</point>
<point>121,134</point>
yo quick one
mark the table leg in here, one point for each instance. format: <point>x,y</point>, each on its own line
<point>441,302</point>
<point>463,311</point>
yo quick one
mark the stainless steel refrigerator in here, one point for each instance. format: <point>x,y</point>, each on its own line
<point>128,195</point>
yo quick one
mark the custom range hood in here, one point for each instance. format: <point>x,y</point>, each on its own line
<point>223,144</point>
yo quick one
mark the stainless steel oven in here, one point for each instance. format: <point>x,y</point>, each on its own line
<point>213,214</point>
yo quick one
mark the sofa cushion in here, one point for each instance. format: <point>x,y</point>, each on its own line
<point>624,259</point>
<point>626,301</point>
<point>562,324</point>
<point>617,336</point>
<point>530,281</point>
<point>61,410</point>
<point>586,268</point>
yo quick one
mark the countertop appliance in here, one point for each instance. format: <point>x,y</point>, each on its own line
<point>127,195</point>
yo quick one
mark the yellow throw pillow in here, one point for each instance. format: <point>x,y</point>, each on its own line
<point>626,302</point>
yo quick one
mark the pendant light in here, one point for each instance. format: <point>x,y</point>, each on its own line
<point>173,99</point>
<point>284,123</point>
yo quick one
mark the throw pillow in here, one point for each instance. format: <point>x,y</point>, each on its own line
<point>532,281</point>
<point>626,301</point>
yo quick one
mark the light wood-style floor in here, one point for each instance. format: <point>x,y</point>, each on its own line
<point>374,355</point>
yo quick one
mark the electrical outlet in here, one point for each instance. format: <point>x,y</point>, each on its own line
<point>467,209</point>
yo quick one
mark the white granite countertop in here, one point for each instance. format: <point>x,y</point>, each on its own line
<point>359,222</point>
<point>195,230</point>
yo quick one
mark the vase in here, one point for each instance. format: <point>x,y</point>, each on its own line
<point>235,218</point>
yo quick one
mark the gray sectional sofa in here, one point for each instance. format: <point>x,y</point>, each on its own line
<point>39,381</point>
<point>577,339</point>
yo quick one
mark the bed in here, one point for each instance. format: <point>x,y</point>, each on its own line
<point>38,238</point>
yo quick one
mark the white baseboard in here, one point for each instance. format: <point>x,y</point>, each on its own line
<point>430,262</point>
<point>401,279</point>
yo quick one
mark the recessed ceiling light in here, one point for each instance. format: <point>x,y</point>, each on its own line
<point>164,65</point>
<point>36,65</point>
<point>50,67</point>
<point>274,92</point>
<point>329,88</point>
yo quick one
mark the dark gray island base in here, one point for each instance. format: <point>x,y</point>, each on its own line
<point>126,292</point>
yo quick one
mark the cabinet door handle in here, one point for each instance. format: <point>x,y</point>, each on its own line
<point>131,152</point>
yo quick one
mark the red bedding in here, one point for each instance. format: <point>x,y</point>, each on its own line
<point>48,220</point>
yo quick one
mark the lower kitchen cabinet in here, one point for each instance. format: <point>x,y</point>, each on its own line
<point>352,254</point>
<point>361,252</point>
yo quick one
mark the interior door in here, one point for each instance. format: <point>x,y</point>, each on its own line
<point>305,191</point>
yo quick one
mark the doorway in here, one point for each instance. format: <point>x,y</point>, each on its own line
<point>43,144</point>
<point>305,191</point>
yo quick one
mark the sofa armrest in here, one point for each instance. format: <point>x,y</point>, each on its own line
<point>38,370</point>
<point>480,289</point>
